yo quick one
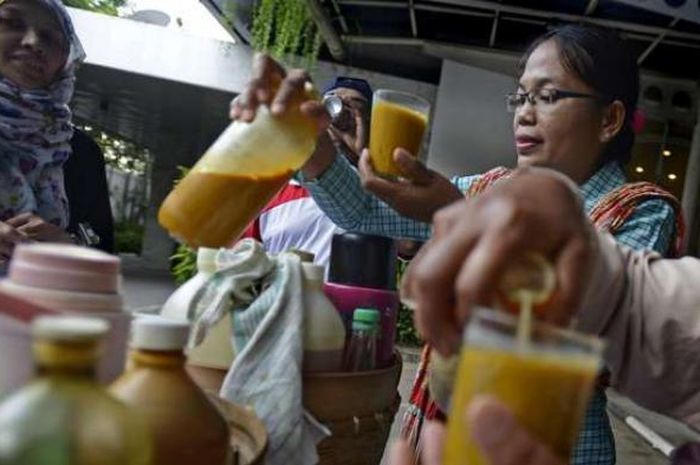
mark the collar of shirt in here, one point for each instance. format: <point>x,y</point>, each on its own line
<point>608,178</point>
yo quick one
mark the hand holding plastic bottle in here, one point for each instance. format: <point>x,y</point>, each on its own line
<point>270,84</point>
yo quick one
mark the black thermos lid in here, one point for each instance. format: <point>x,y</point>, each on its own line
<point>363,260</point>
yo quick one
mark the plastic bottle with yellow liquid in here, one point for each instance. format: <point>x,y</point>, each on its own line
<point>64,417</point>
<point>238,175</point>
<point>187,428</point>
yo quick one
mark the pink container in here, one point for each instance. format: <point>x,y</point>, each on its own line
<point>347,298</point>
<point>65,279</point>
<point>16,366</point>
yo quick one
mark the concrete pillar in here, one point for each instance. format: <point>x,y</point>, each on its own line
<point>157,245</point>
<point>171,151</point>
<point>691,190</point>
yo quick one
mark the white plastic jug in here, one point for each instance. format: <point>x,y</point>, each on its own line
<point>216,351</point>
<point>324,331</point>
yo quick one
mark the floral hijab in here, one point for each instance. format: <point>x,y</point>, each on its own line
<point>35,134</point>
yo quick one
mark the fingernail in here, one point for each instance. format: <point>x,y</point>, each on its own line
<point>277,108</point>
<point>491,425</point>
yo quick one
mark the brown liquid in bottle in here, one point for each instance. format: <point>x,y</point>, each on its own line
<point>213,209</point>
<point>187,429</point>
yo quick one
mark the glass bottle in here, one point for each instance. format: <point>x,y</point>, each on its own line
<point>64,417</point>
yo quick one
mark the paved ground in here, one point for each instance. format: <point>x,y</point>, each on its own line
<point>147,291</point>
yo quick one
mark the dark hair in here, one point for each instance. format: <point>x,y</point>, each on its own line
<point>602,59</point>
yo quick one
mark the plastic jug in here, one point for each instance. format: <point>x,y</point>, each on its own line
<point>64,417</point>
<point>324,331</point>
<point>237,176</point>
<point>216,350</point>
<point>78,281</point>
<point>187,428</point>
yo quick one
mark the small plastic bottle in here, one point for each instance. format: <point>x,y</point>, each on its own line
<point>361,353</point>
<point>238,175</point>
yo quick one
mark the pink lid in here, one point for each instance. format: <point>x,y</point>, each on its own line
<point>21,309</point>
<point>65,267</point>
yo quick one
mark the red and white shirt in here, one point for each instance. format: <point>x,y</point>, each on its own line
<point>293,220</point>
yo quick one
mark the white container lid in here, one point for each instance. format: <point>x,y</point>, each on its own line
<point>154,332</point>
<point>69,328</point>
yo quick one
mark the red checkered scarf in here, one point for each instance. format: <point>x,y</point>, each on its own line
<point>608,215</point>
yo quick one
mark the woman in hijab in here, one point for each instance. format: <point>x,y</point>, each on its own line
<point>39,53</point>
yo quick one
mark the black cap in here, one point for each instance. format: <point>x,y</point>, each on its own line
<point>363,260</point>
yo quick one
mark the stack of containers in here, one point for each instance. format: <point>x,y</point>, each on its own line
<point>72,280</point>
<point>16,365</point>
<point>362,274</point>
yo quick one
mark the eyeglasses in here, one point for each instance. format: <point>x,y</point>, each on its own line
<point>545,98</point>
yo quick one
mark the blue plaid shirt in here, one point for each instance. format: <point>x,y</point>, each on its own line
<point>340,195</point>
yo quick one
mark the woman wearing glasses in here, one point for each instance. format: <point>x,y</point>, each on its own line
<point>573,112</point>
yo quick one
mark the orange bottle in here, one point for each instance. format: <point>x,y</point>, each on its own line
<point>187,428</point>
<point>237,176</point>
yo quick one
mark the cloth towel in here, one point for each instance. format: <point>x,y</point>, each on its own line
<point>265,297</point>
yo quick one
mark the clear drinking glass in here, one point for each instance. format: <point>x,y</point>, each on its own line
<point>398,120</point>
<point>546,386</point>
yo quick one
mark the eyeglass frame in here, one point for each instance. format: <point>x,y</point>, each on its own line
<point>556,95</point>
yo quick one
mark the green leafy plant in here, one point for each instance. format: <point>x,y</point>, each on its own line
<point>406,333</point>
<point>128,237</point>
<point>108,7</point>
<point>184,261</point>
<point>285,29</point>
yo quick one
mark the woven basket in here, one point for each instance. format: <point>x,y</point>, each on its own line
<point>359,409</point>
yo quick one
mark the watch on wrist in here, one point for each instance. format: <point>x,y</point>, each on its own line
<point>85,235</point>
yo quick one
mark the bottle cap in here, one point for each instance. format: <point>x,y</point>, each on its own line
<point>366,315</point>
<point>69,328</point>
<point>158,333</point>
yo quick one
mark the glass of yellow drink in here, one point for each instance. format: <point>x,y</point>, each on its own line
<point>398,120</point>
<point>546,385</point>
